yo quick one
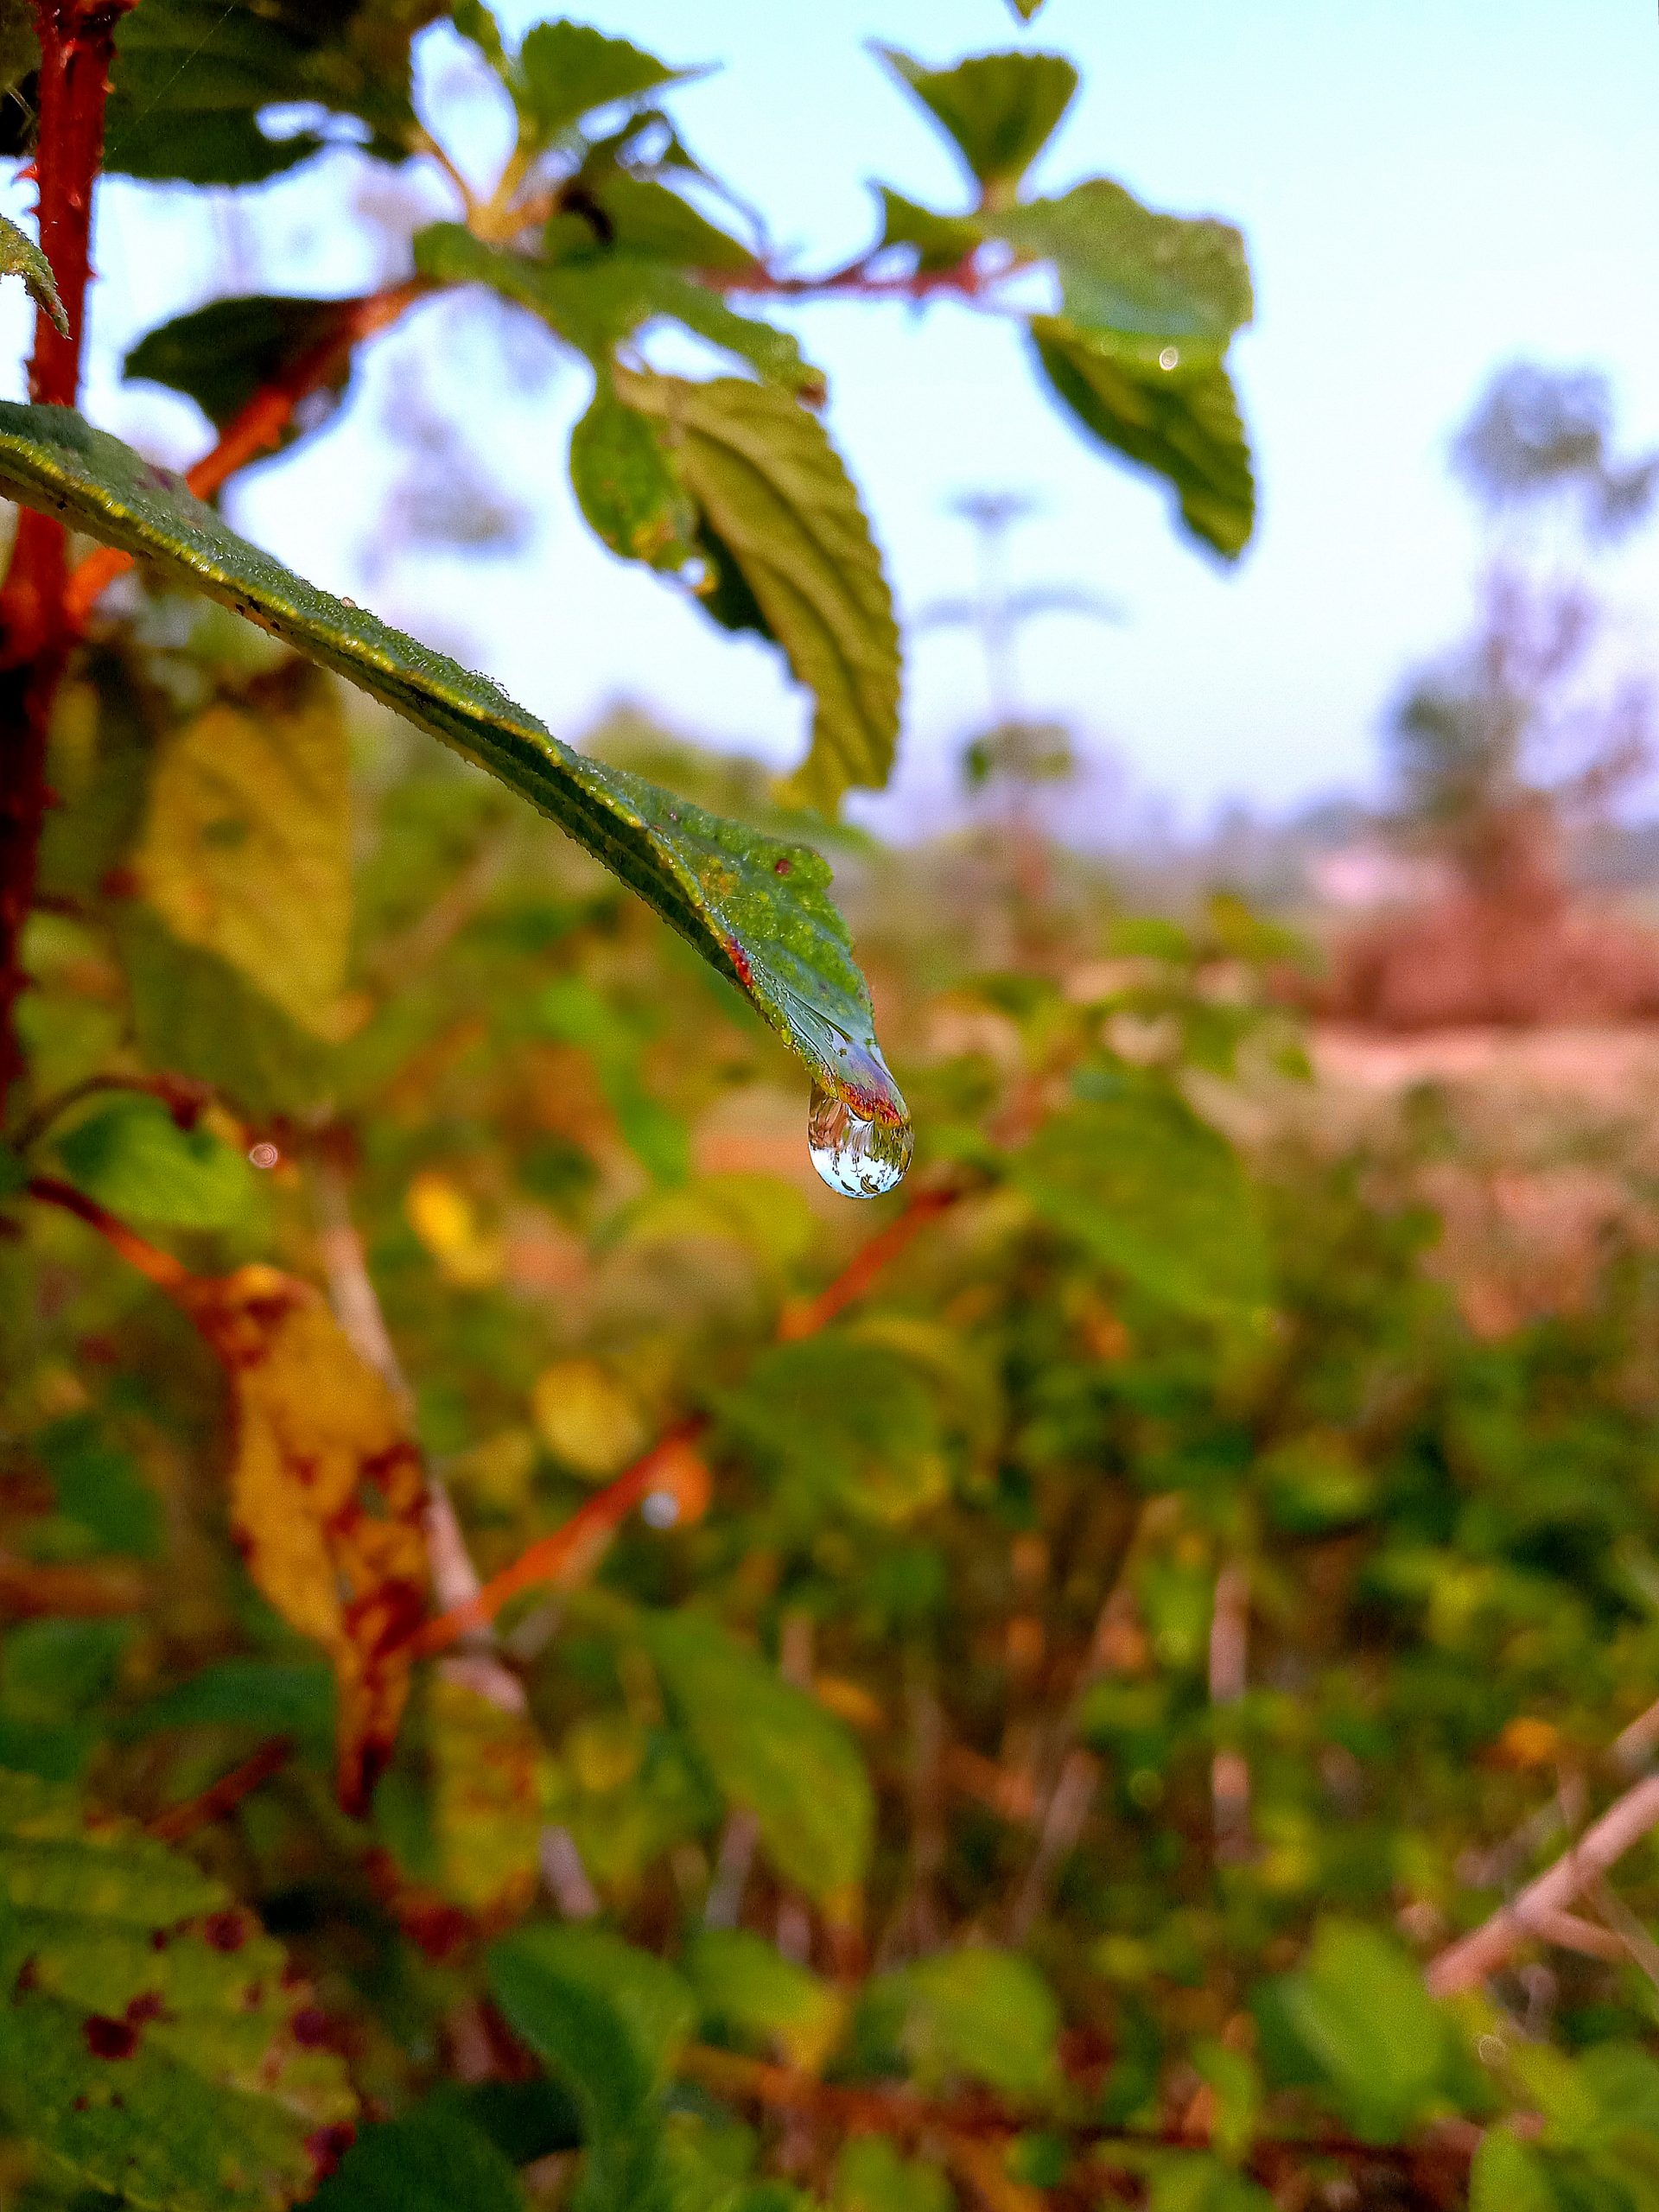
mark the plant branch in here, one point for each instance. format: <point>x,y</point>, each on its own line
<point>259,427</point>
<point>162,1270</point>
<point>76,44</point>
<point>1469,1961</point>
<point>222,1797</point>
<point>563,1556</point>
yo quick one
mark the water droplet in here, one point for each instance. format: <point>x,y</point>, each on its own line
<point>661,1509</point>
<point>1170,358</point>
<point>860,1159</point>
<point>264,1155</point>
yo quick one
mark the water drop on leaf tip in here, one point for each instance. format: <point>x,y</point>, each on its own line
<point>860,1159</point>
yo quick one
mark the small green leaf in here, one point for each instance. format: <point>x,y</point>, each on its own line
<point>1138,1180</point>
<point>940,241</point>
<point>245,849</point>
<point>1193,2181</point>
<point>567,70</point>
<point>189,80</point>
<point>641,216</point>
<point>432,2160</point>
<point>626,488</point>
<point>772,1749</point>
<point>599,302</point>
<point>756,909</point>
<point>1000,109</point>
<point>606,2020</point>
<point>1168,407</point>
<point>20,257</point>
<point>774,491</point>
<point>133,1157</point>
<point>982,2014</point>
<point>871,2176</point>
<point>221,355</point>
<point>749,1989</point>
<point>150,2050</point>
<point>1359,2007</point>
<point>474,22</point>
<point>1126,267</point>
<point>1508,2175</point>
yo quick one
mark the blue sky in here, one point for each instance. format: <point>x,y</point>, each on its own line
<point>1429,187</point>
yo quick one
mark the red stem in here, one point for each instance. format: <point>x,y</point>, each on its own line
<point>76,46</point>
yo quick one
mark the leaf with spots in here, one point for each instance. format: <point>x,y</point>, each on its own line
<point>327,1495</point>
<point>757,910</point>
<point>154,2043</point>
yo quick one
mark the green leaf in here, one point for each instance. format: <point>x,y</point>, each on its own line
<point>133,1157</point>
<point>221,355</point>
<point>606,2020</point>
<point>641,216</point>
<point>940,241</point>
<point>1169,408</point>
<point>433,2160</point>
<point>751,1989</point>
<point>1000,109</point>
<point>101,1494</point>
<point>194,1013</point>
<point>872,2176</point>
<point>20,257</point>
<point>981,2014</point>
<point>843,1423</point>
<point>756,909</point>
<point>1193,2181</point>
<point>192,76</point>
<point>189,80</point>
<point>474,22</point>
<point>1143,1185</point>
<point>150,2050</point>
<point>245,849</point>
<point>626,488</point>
<point>772,1749</point>
<point>1359,2007</point>
<point>773,490</point>
<point>598,302</point>
<point>567,70</point>
<point>1507,2176</point>
<point>1126,267</point>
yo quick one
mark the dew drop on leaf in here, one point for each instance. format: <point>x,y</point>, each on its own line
<point>860,1159</point>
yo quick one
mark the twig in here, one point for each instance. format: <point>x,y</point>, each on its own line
<point>866,1263</point>
<point>182,1098</point>
<point>222,1797</point>
<point>1468,1962</point>
<point>563,1555</point>
<point>259,425</point>
<point>162,1270</point>
<point>357,1308</point>
<point>1229,1773</point>
<point>84,1591</point>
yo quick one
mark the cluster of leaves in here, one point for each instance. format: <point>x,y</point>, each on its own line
<point>942,1786</point>
<point>790,1752</point>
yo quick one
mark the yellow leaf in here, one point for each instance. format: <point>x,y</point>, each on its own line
<point>486,1801</point>
<point>446,1221</point>
<point>246,850</point>
<point>327,1496</point>
<point>587,1418</point>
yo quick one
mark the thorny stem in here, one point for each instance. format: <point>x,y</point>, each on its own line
<point>76,45</point>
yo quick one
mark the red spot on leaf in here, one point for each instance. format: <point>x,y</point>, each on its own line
<point>781,866</point>
<point>310,2025</point>
<point>108,2038</point>
<point>225,1931</point>
<point>739,961</point>
<point>147,2005</point>
<point>254,1996</point>
<point>326,2147</point>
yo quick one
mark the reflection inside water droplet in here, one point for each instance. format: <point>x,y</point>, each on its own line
<point>1170,358</point>
<point>860,1159</point>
